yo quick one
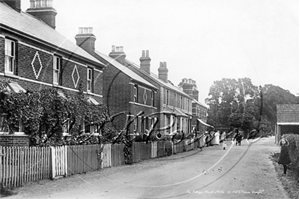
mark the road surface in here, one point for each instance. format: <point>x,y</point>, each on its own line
<point>239,172</point>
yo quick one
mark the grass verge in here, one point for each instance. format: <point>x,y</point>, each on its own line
<point>290,181</point>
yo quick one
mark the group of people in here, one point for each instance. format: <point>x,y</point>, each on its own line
<point>216,138</point>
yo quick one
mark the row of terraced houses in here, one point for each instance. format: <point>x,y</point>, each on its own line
<point>33,55</point>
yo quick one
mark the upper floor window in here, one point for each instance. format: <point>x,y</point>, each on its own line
<point>168,100</point>
<point>135,93</point>
<point>90,80</point>
<point>181,102</point>
<point>56,70</point>
<point>152,98</point>
<point>10,56</point>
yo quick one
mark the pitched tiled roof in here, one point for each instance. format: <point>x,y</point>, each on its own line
<point>197,102</point>
<point>161,82</point>
<point>287,113</point>
<point>124,69</point>
<point>33,27</point>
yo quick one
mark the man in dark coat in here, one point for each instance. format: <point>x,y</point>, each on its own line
<point>238,137</point>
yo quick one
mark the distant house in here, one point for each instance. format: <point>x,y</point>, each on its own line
<point>199,110</point>
<point>175,106</point>
<point>34,56</point>
<point>124,90</point>
<point>287,120</point>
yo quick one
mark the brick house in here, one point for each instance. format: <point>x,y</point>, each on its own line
<point>123,90</point>
<point>174,106</point>
<point>199,110</point>
<point>33,55</point>
<point>287,120</point>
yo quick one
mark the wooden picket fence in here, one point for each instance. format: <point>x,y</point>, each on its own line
<point>117,155</point>
<point>141,151</point>
<point>83,158</point>
<point>59,161</point>
<point>19,165</point>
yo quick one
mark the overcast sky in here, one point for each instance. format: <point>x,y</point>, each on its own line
<point>205,40</point>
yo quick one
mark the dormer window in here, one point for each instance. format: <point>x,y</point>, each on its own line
<point>10,56</point>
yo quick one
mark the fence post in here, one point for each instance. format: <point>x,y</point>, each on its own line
<point>65,161</point>
<point>53,171</point>
<point>1,169</point>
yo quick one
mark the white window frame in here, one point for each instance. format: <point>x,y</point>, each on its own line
<point>135,93</point>
<point>56,69</point>
<point>135,125</point>
<point>89,80</point>
<point>168,99</point>
<point>10,56</point>
<point>181,102</point>
<point>152,98</point>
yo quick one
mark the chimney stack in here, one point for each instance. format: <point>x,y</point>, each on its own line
<point>86,39</point>
<point>145,61</point>
<point>43,10</point>
<point>15,4</point>
<point>163,72</point>
<point>189,86</point>
<point>118,54</point>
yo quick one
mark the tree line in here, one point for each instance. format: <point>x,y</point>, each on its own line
<point>237,103</point>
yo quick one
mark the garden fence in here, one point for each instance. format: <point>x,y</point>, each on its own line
<point>19,165</point>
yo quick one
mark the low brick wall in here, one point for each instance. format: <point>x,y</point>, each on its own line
<point>14,140</point>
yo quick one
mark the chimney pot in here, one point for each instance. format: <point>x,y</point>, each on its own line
<point>43,10</point>
<point>163,72</point>
<point>85,39</point>
<point>145,61</point>
<point>118,54</point>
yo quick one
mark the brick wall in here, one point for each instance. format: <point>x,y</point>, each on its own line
<point>29,51</point>
<point>14,140</point>
<point>117,93</point>
<point>118,96</point>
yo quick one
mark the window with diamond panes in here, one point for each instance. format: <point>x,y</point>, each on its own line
<point>10,56</point>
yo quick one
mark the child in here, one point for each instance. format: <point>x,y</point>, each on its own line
<point>284,157</point>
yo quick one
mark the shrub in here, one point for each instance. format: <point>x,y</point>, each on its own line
<point>293,140</point>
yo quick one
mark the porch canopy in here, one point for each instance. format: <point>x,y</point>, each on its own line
<point>204,123</point>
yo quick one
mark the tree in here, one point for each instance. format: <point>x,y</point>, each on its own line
<point>274,95</point>
<point>231,100</point>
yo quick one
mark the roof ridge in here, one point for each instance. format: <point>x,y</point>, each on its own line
<point>177,89</point>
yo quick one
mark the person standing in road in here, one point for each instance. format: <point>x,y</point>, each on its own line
<point>284,157</point>
<point>222,140</point>
<point>238,137</point>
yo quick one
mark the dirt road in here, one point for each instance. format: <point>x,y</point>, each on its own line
<point>238,172</point>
